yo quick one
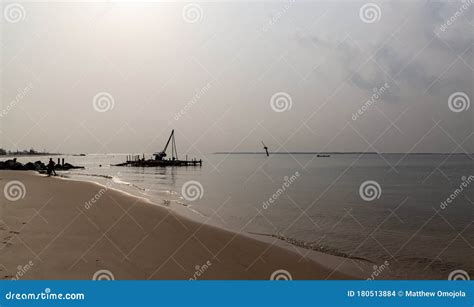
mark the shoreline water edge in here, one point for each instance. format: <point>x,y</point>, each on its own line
<point>55,225</point>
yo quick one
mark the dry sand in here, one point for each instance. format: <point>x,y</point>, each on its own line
<point>50,234</point>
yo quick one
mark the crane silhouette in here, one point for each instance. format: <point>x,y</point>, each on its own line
<point>265,147</point>
<point>174,152</point>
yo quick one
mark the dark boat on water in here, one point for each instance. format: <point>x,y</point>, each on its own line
<point>159,158</point>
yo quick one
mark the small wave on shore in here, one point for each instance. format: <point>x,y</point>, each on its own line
<point>114,179</point>
<point>166,198</point>
<point>316,246</point>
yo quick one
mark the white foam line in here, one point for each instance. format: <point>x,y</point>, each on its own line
<point>110,188</point>
<point>147,200</point>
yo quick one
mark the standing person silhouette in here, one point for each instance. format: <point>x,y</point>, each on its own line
<point>50,168</point>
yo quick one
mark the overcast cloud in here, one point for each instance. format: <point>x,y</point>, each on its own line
<point>210,71</point>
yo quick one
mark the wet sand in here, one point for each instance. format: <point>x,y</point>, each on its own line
<point>64,229</point>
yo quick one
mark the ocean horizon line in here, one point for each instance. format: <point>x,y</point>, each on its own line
<point>337,153</point>
<point>250,153</point>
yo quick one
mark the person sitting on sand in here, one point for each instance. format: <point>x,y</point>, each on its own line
<point>50,167</point>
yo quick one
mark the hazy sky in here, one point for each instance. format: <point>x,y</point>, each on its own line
<point>118,76</point>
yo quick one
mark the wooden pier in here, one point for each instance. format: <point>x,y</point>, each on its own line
<point>159,159</point>
<point>140,161</point>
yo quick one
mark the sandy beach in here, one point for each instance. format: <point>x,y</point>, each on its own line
<point>64,229</point>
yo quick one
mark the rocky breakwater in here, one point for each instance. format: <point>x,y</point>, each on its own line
<point>39,166</point>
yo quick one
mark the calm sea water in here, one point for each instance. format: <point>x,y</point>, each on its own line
<point>317,203</point>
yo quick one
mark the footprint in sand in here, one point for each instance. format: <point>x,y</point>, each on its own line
<point>3,225</point>
<point>6,241</point>
<point>15,232</point>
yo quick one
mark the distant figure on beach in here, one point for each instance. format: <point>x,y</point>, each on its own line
<point>50,168</point>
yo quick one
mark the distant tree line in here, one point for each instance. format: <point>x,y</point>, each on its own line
<point>25,152</point>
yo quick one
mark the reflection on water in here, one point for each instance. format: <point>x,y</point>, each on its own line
<point>406,226</point>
